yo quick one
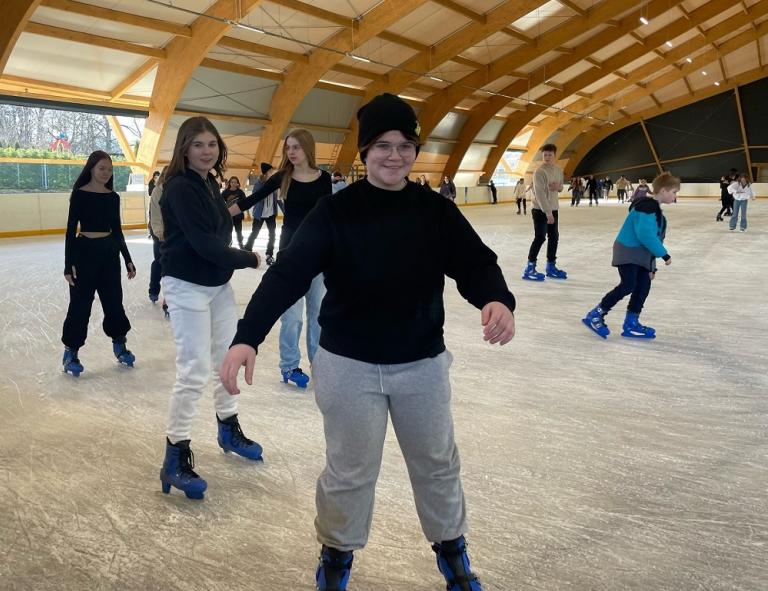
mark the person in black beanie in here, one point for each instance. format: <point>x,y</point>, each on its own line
<point>382,352</point>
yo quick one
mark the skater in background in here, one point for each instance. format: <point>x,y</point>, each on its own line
<point>424,182</point>
<point>520,191</point>
<point>92,262</point>
<point>156,232</point>
<point>635,250</point>
<point>382,353</point>
<point>741,190</point>
<point>726,199</point>
<point>301,185</point>
<point>338,182</point>
<point>153,182</point>
<point>547,184</point>
<point>198,263</point>
<point>448,189</point>
<point>264,212</point>
<point>492,188</point>
<point>576,189</point>
<point>622,186</point>
<point>232,194</point>
<point>607,187</point>
<point>642,190</point>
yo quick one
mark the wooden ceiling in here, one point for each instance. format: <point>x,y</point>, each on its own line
<point>483,74</point>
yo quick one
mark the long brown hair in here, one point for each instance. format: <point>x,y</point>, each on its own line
<point>307,143</point>
<point>188,131</point>
<point>85,175</point>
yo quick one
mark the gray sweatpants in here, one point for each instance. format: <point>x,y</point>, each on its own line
<point>355,398</point>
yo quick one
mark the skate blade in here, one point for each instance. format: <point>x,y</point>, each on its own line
<point>588,324</point>
<point>533,278</point>
<point>630,335</point>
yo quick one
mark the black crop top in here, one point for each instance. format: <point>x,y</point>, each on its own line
<point>95,212</point>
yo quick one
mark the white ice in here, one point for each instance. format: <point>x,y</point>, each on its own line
<point>587,464</point>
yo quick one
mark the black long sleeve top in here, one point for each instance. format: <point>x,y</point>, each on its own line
<point>385,255</point>
<point>231,197</point>
<point>299,200</point>
<point>95,212</point>
<point>198,232</point>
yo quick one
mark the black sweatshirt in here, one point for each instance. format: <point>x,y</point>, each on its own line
<point>231,196</point>
<point>385,255</point>
<point>198,232</point>
<point>96,212</point>
<point>299,200</point>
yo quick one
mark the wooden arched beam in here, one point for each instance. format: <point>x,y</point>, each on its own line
<point>431,58</point>
<point>15,18</point>
<point>439,104</point>
<point>301,77</point>
<point>183,56</point>
<point>517,121</point>
<point>571,128</point>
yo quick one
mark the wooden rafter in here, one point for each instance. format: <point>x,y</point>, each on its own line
<point>515,34</point>
<point>461,9</point>
<point>15,18</point>
<point>743,127</point>
<point>650,142</point>
<point>573,6</point>
<point>117,16</point>
<point>125,146</point>
<point>133,78</point>
<point>90,39</point>
<point>261,49</point>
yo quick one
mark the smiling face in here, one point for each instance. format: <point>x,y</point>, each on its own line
<point>389,160</point>
<point>102,172</point>
<point>295,152</point>
<point>203,153</point>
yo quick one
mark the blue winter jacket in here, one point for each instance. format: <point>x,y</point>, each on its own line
<point>641,237</point>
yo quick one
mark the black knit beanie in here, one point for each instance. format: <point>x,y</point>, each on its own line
<point>384,113</point>
<point>265,167</point>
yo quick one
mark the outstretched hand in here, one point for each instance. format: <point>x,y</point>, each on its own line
<point>498,323</point>
<point>236,357</point>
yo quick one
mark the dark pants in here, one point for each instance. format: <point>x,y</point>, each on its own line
<point>271,222</point>
<point>493,196</point>
<point>635,280</point>
<point>575,197</point>
<point>621,194</point>
<point>156,271</point>
<point>727,202</point>
<point>543,231</point>
<point>97,265</point>
<point>592,195</point>
<point>520,200</point>
<point>237,222</point>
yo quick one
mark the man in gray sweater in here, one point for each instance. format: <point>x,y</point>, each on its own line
<point>547,184</point>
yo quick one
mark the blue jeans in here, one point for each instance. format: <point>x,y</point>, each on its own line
<point>291,322</point>
<point>739,206</point>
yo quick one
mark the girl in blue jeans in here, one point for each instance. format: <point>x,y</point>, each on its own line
<point>301,185</point>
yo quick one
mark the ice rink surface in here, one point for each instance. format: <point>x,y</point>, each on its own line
<point>587,464</point>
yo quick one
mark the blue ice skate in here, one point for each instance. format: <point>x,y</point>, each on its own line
<point>71,363</point>
<point>531,274</point>
<point>154,297</point>
<point>177,470</point>
<point>554,272</point>
<point>296,376</point>
<point>122,353</point>
<point>453,562</point>
<point>334,569</point>
<point>231,439</point>
<point>595,321</point>
<point>634,330</point>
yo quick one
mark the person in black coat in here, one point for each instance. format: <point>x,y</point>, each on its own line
<point>232,194</point>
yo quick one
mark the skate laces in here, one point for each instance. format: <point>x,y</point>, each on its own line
<point>238,437</point>
<point>187,463</point>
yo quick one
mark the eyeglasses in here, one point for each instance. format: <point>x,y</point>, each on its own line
<point>386,148</point>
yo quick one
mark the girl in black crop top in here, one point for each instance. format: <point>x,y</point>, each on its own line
<point>301,185</point>
<point>92,262</point>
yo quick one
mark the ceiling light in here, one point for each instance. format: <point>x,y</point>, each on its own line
<point>668,44</point>
<point>436,78</point>
<point>643,20</point>
<point>246,27</point>
<point>359,58</point>
<point>703,73</point>
<point>689,60</point>
<point>717,84</point>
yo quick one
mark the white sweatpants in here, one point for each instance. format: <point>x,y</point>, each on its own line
<point>204,321</point>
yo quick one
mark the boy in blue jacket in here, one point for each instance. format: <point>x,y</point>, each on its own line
<point>639,243</point>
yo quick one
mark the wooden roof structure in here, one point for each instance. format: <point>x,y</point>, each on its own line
<point>483,75</point>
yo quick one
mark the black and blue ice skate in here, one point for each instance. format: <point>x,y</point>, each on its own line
<point>555,273</point>
<point>178,471</point>
<point>296,376</point>
<point>232,439</point>
<point>154,297</point>
<point>595,321</point>
<point>334,569</point>
<point>531,274</point>
<point>71,363</point>
<point>122,353</point>
<point>634,330</point>
<point>453,562</point>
